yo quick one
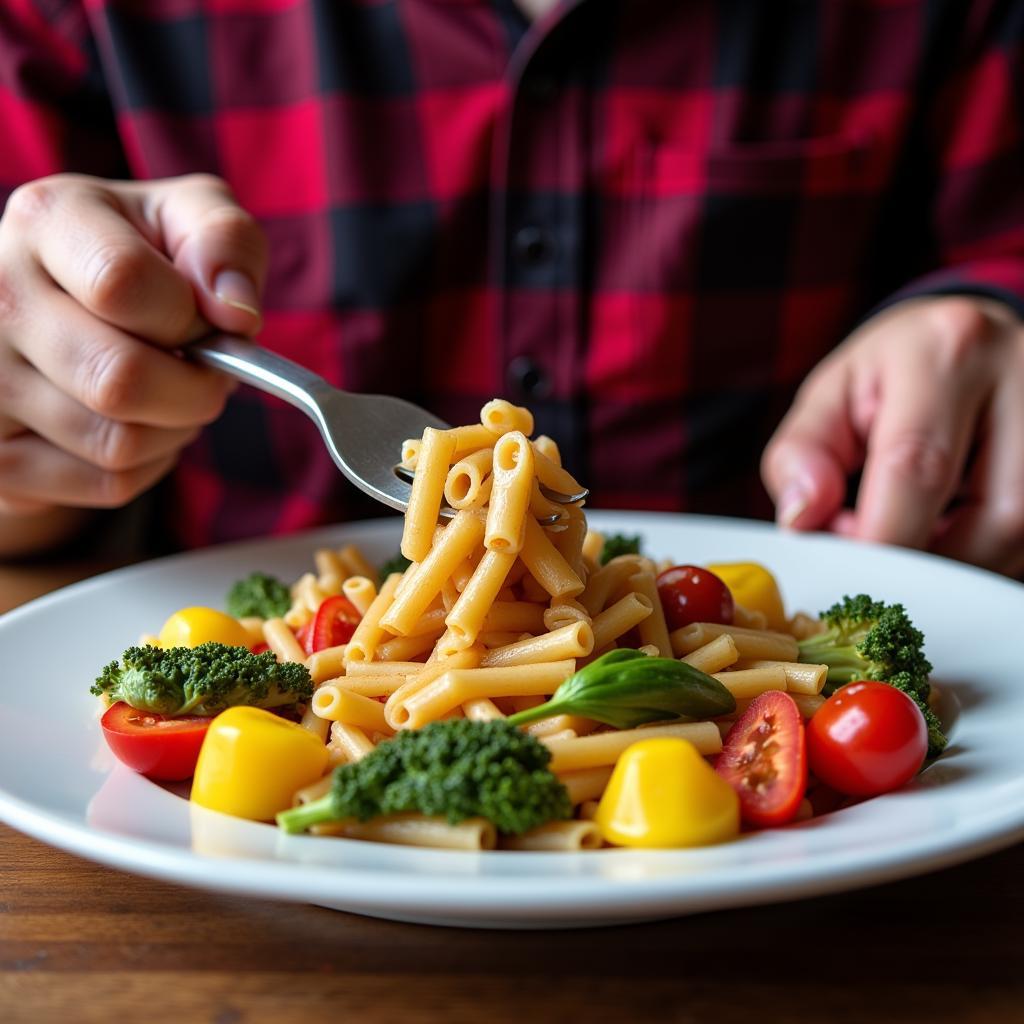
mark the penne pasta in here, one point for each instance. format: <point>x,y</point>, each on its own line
<point>750,643</point>
<point>557,836</point>
<point>368,634</point>
<point>715,655</point>
<point>752,681</point>
<point>432,463</point>
<point>510,494</point>
<point>604,748</point>
<point>546,564</point>
<point>800,678</point>
<point>586,783</point>
<point>457,686</point>
<point>454,545</point>
<point>336,704</point>
<point>466,619</point>
<point>621,617</point>
<point>361,591</point>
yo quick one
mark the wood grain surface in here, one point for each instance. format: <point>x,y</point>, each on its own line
<point>83,943</point>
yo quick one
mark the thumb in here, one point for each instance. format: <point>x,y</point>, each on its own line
<point>805,464</point>
<point>219,247</point>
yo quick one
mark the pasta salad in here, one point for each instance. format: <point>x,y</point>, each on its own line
<point>515,679</point>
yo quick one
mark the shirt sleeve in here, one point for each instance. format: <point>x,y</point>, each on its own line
<point>54,107</point>
<point>974,137</point>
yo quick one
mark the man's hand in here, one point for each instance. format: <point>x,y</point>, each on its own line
<point>99,281</point>
<point>927,401</point>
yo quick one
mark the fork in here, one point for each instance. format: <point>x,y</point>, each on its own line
<point>362,432</point>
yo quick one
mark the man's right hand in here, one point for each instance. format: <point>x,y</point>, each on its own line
<point>100,282</point>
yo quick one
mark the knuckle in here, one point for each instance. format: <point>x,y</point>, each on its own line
<point>959,326</point>
<point>117,446</point>
<point>33,200</point>
<point>113,273</point>
<point>920,461</point>
<point>206,182</point>
<point>116,488</point>
<point>110,379</point>
<point>238,230</point>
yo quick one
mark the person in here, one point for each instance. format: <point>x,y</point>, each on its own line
<point>693,237</point>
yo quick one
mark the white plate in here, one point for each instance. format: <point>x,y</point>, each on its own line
<point>59,783</point>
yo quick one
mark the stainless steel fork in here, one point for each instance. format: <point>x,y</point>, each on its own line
<point>363,433</point>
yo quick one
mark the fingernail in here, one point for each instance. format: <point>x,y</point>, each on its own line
<point>237,290</point>
<point>792,503</point>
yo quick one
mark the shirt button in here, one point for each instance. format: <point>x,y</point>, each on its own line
<point>534,245</point>
<point>527,378</point>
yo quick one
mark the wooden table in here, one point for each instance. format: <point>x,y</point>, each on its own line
<point>81,943</point>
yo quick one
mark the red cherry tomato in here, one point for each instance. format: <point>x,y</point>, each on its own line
<point>691,594</point>
<point>334,623</point>
<point>764,758</point>
<point>867,738</point>
<point>158,747</point>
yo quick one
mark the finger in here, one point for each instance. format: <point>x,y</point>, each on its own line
<point>218,246</point>
<point>988,530</point>
<point>918,444</point>
<point>814,449</point>
<point>32,470</point>
<point>68,425</point>
<point>88,242</point>
<point>113,374</point>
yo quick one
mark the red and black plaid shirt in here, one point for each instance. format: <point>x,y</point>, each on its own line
<point>647,220</point>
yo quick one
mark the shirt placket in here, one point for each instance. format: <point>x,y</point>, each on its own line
<point>538,195</point>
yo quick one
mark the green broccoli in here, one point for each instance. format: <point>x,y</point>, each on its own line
<point>619,544</point>
<point>868,639</point>
<point>201,680</point>
<point>258,594</point>
<point>396,563</point>
<point>455,769</point>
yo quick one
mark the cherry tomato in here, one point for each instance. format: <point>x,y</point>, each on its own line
<point>867,738</point>
<point>158,747</point>
<point>764,758</point>
<point>334,623</point>
<point>691,594</point>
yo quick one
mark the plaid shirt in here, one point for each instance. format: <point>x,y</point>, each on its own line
<point>646,219</point>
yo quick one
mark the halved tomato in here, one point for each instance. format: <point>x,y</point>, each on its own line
<point>764,758</point>
<point>334,623</point>
<point>156,746</point>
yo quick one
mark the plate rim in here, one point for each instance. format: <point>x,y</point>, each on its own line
<point>504,895</point>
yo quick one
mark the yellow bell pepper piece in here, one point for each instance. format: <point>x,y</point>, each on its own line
<point>252,762</point>
<point>662,793</point>
<point>191,627</point>
<point>754,587</point>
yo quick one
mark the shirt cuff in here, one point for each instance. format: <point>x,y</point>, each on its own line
<point>1001,279</point>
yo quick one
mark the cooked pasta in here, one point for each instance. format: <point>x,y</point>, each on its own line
<point>500,605</point>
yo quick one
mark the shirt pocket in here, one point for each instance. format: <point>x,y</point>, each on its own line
<point>829,165</point>
<point>744,263</point>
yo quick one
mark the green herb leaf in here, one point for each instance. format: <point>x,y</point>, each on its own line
<point>625,688</point>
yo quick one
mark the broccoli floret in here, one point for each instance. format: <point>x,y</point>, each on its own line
<point>201,680</point>
<point>258,594</point>
<point>455,769</point>
<point>619,544</point>
<point>397,563</point>
<point>868,639</point>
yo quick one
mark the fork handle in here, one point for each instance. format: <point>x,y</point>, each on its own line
<point>263,369</point>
